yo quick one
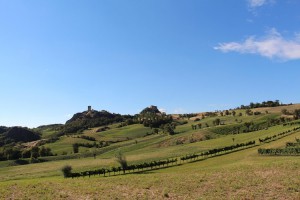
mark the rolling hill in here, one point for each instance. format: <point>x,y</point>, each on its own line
<point>233,174</point>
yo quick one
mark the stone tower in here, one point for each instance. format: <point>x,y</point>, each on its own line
<point>89,108</point>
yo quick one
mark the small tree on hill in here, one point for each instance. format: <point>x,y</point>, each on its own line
<point>199,125</point>
<point>248,124</point>
<point>67,171</point>
<point>248,112</point>
<point>35,152</point>
<point>217,122</point>
<point>284,111</point>
<point>121,159</point>
<point>169,128</point>
<point>75,148</point>
<point>233,113</point>
<point>297,114</point>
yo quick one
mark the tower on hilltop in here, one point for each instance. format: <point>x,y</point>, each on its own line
<point>89,108</point>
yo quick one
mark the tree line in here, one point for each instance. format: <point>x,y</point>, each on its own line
<point>125,168</point>
<point>262,104</point>
<point>282,152</point>
<point>101,144</point>
<point>216,151</point>
<point>247,127</point>
<point>279,135</point>
<point>14,153</point>
<point>191,157</point>
<point>291,149</point>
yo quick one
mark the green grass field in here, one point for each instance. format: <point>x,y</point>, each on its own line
<point>243,174</point>
<point>239,175</point>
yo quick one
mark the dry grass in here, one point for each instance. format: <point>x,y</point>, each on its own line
<point>278,109</point>
<point>240,175</point>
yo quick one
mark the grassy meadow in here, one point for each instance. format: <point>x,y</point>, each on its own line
<point>242,174</point>
<point>239,175</point>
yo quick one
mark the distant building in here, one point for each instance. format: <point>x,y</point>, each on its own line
<point>153,107</point>
<point>89,108</point>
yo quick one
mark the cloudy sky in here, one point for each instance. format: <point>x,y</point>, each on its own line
<point>59,56</point>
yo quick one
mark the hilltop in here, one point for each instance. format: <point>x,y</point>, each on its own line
<point>17,134</point>
<point>91,118</point>
<point>224,143</point>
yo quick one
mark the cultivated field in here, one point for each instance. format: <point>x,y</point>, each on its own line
<point>242,174</point>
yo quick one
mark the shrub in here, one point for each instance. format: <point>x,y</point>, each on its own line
<point>121,159</point>
<point>67,171</point>
<point>197,119</point>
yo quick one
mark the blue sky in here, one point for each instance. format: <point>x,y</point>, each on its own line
<point>59,56</point>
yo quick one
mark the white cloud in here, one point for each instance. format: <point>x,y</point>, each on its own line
<point>273,45</point>
<point>179,111</point>
<point>163,110</point>
<point>259,3</point>
<point>68,116</point>
<point>256,3</point>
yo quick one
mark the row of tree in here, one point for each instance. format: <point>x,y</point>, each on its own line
<point>251,126</point>
<point>216,151</point>
<point>262,104</point>
<point>291,149</point>
<point>282,152</point>
<point>89,145</point>
<point>279,135</point>
<point>291,123</point>
<point>86,137</point>
<point>14,153</point>
<point>124,168</point>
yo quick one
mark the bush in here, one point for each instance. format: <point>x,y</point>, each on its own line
<point>121,159</point>
<point>67,171</point>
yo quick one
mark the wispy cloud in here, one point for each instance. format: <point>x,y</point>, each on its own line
<point>163,110</point>
<point>179,111</point>
<point>68,116</point>
<point>273,45</point>
<point>259,3</point>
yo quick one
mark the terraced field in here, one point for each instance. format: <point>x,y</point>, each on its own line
<point>242,174</point>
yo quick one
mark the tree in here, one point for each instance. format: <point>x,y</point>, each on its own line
<point>217,122</point>
<point>297,114</point>
<point>199,125</point>
<point>284,111</point>
<point>155,130</point>
<point>194,127</point>
<point>248,124</point>
<point>11,153</point>
<point>26,153</point>
<point>238,129</point>
<point>233,113</point>
<point>121,159</point>
<point>248,112</point>
<point>43,151</point>
<point>76,148</point>
<point>67,171</point>
<point>169,128</point>
<point>35,152</point>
